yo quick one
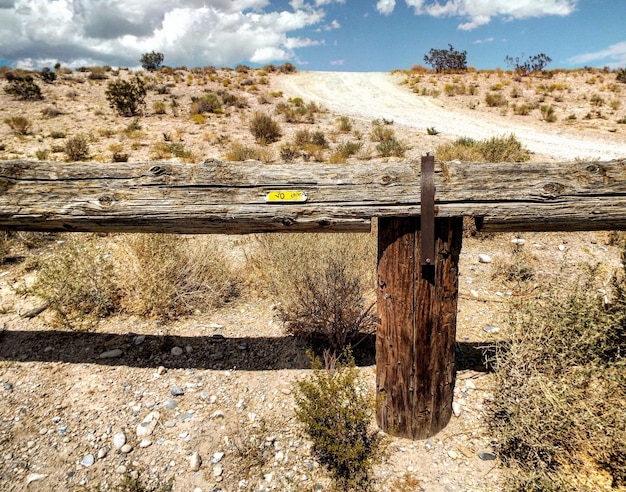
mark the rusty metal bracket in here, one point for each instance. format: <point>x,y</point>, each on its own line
<point>427,220</point>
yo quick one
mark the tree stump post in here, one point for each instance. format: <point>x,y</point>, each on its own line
<point>416,337</point>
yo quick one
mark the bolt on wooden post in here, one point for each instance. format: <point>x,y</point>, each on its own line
<point>417,306</point>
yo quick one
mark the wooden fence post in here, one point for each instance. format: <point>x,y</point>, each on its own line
<point>416,337</point>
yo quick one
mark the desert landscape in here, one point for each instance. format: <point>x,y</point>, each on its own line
<point>198,394</point>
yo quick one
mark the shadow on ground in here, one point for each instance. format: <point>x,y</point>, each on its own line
<point>206,352</point>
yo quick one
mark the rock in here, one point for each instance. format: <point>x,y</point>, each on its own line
<point>217,471</point>
<point>562,247</point>
<point>8,386</point>
<point>139,339</point>
<point>35,477</point>
<point>176,351</point>
<point>469,384</point>
<point>491,329</point>
<point>453,454</point>
<point>161,370</point>
<point>486,456</point>
<point>111,354</point>
<point>145,443</point>
<point>217,457</point>
<point>195,461</point>
<point>126,448</point>
<point>483,258</point>
<point>243,346</point>
<point>102,452</point>
<point>119,439</point>
<point>88,460</point>
<point>518,241</point>
<point>170,404</point>
<point>456,409</point>
<point>218,414</point>
<point>147,425</point>
<point>177,391</point>
<point>121,469</point>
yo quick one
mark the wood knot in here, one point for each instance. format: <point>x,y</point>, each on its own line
<point>386,179</point>
<point>106,200</point>
<point>157,170</point>
<point>554,188</point>
<point>594,168</point>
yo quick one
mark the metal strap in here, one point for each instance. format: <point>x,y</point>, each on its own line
<point>427,221</point>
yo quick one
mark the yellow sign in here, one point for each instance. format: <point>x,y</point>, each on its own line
<point>285,196</point>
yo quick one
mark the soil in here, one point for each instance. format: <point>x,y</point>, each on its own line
<point>62,401</point>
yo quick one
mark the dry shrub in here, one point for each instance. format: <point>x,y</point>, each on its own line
<point>168,275</point>
<point>560,408</point>
<point>321,281</point>
<point>264,129</point>
<point>239,152</point>
<point>505,148</point>
<point>76,280</point>
<point>20,125</point>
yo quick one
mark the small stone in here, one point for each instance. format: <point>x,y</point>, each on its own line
<point>243,346</point>
<point>453,454</point>
<point>119,439</point>
<point>102,452</point>
<point>43,432</point>
<point>8,386</point>
<point>519,241</point>
<point>161,370</point>
<point>147,425</point>
<point>474,293</point>
<point>126,448</point>
<point>285,391</point>
<point>483,258</point>
<point>456,409</point>
<point>217,457</point>
<point>486,456</point>
<point>562,247</point>
<point>217,470</point>
<point>170,404</point>
<point>491,329</point>
<point>121,469</point>
<point>215,326</point>
<point>251,416</point>
<point>204,395</point>
<point>111,354</point>
<point>218,414</point>
<point>188,349</point>
<point>195,461</point>
<point>145,443</point>
<point>88,460</point>
<point>268,477</point>
<point>177,391</point>
<point>139,339</point>
<point>469,384</point>
<point>218,337</point>
<point>176,351</point>
<point>35,477</point>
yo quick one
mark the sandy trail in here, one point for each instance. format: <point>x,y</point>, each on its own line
<point>371,95</point>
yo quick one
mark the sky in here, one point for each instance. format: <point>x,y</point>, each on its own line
<point>345,35</point>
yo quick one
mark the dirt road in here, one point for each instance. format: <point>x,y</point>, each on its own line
<point>371,95</point>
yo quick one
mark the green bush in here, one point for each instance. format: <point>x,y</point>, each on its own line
<point>48,75</point>
<point>264,129</point>
<point>77,148</point>
<point>621,75</point>
<point>495,100</point>
<point>24,88</point>
<point>547,112</point>
<point>496,149</point>
<point>151,61</point>
<point>388,148</point>
<point>336,408</point>
<point>126,97</point>
<point>447,61</point>
<point>208,103</point>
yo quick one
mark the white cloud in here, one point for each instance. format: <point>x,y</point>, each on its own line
<point>385,7</point>
<point>482,41</point>
<point>614,55</point>
<point>187,32</point>
<point>480,12</point>
<point>337,63</point>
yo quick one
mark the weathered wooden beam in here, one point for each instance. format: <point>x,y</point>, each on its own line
<point>221,197</point>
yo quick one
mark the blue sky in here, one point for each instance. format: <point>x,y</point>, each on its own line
<point>350,35</point>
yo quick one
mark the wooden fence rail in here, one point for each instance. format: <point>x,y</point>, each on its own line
<point>416,300</point>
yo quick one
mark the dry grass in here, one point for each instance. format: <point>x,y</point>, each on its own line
<point>166,275</point>
<point>559,416</point>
